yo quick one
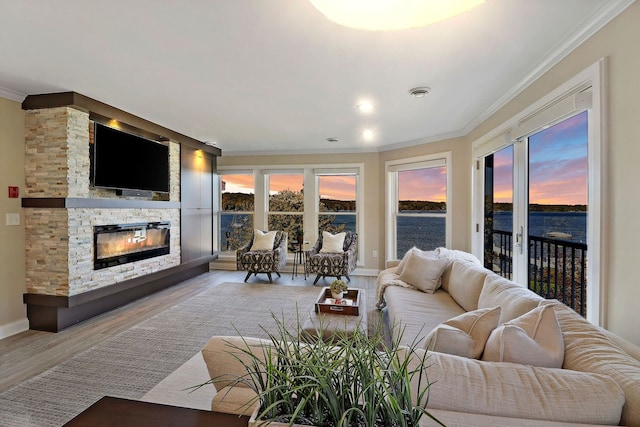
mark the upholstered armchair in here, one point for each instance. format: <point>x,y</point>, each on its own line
<point>262,256</point>
<point>337,262</point>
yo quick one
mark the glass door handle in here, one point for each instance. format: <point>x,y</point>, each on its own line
<point>519,237</point>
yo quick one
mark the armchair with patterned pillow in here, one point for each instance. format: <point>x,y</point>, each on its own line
<point>333,255</point>
<point>265,253</point>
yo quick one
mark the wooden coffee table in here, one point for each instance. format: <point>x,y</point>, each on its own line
<point>114,411</point>
<point>337,325</point>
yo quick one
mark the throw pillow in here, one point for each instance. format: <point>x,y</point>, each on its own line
<point>403,261</point>
<point>263,241</point>
<point>332,243</point>
<point>532,339</point>
<point>464,335</point>
<point>423,272</point>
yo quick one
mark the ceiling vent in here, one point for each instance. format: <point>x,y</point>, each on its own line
<point>420,92</point>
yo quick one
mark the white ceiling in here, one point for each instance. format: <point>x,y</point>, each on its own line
<point>268,76</point>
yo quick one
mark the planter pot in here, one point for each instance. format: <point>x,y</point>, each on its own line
<point>254,422</point>
<point>337,295</point>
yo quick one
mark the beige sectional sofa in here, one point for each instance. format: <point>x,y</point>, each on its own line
<point>592,377</point>
<point>597,381</point>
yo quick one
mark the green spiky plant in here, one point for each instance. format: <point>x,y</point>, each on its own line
<point>352,380</point>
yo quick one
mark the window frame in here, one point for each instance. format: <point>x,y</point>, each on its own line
<point>218,212</point>
<point>392,167</point>
<point>337,172</point>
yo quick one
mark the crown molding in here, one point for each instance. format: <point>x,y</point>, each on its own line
<point>12,94</point>
<point>598,20</point>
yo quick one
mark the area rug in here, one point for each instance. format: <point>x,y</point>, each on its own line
<point>133,362</point>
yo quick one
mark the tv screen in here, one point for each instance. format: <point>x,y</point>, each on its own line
<point>125,161</point>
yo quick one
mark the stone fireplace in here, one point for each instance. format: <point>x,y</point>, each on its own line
<point>73,271</point>
<point>117,244</point>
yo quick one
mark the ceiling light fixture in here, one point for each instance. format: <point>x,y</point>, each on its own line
<point>367,135</point>
<point>420,92</point>
<point>365,107</point>
<point>384,15</point>
<point>211,143</point>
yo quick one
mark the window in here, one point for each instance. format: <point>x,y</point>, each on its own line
<point>418,214</point>
<point>286,203</point>
<point>337,203</point>
<point>236,209</point>
<point>539,177</point>
<point>307,198</point>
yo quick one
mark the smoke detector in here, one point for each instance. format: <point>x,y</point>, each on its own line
<point>420,92</point>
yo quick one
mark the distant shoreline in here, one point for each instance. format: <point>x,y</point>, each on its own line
<point>242,202</point>
<point>535,207</point>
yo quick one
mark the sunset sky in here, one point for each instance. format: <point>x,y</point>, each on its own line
<point>557,170</point>
<point>557,165</point>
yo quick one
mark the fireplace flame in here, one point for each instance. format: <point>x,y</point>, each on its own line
<point>126,242</point>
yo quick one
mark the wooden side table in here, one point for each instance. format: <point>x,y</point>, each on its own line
<point>114,411</point>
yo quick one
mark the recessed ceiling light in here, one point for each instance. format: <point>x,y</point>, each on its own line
<point>367,134</point>
<point>365,107</point>
<point>211,143</point>
<point>420,92</point>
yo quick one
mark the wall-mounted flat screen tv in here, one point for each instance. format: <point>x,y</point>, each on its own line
<point>124,161</point>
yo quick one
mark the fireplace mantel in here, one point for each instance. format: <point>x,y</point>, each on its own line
<point>71,202</point>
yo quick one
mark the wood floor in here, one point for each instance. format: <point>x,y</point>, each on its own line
<point>29,353</point>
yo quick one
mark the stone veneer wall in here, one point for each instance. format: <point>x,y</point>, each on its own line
<point>59,242</point>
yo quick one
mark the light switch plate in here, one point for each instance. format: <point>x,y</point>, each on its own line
<point>13,219</point>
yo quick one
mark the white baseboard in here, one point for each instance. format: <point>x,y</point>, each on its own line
<point>14,328</point>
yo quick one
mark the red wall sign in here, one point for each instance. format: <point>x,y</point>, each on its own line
<point>14,192</point>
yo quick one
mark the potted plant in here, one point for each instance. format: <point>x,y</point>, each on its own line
<point>350,381</point>
<point>338,288</point>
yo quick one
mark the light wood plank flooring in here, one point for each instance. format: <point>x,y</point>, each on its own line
<point>29,353</point>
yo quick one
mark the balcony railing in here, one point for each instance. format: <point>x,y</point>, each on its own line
<point>557,268</point>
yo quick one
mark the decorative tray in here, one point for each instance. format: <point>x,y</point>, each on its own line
<point>349,305</point>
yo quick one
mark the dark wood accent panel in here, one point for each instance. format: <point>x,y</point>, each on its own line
<point>103,112</point>
<point>114,411</point>
<point>61,202</point>
<point>53,313</point>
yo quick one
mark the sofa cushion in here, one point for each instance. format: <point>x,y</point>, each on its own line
<point>235,400</point>
<point>465,284</point>
<point>466,419</point>
<point>412,314</point>
<point>332,243</point>
<point>221,354</point>
<point>423,271</point>
<point>518,391</point>
<point>452,254</point>
<point>464,335</point>
<point>514,299</point>
<point>589,350</point>
<point>263,241</point>
<point>531,339</point>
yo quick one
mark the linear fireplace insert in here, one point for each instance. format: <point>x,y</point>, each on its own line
<point>123,243</point>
